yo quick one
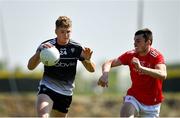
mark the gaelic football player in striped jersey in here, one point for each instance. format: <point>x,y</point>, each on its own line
<point>57,84</point>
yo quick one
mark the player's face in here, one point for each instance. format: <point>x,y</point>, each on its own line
<point>63,35</point>
<point>140,44</point>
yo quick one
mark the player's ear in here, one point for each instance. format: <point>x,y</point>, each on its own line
<point>148,42</point>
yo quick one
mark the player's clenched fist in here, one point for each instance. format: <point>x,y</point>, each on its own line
<point>103,80</point>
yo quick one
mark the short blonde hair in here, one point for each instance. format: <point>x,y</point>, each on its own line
<point>63,22</point>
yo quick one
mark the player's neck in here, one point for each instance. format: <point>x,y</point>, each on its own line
<point>62,42</point>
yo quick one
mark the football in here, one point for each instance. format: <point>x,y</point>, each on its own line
<point>49,56</point>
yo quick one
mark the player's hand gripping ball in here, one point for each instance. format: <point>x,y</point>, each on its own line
<point>49,56</point>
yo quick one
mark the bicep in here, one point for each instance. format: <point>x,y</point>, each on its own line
<point>116,62</point>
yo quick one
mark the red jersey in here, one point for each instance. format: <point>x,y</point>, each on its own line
<point>144,88</point>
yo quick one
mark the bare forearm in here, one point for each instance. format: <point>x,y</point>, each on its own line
<point>106,66</point>
<point>34,61</point>
<point>156,73</point>
<point>89,65</point>
<point>110,64</point>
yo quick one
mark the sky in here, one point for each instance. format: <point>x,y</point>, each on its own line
<point>106,26</point>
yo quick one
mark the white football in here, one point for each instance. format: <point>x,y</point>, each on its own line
<point>49,56</point>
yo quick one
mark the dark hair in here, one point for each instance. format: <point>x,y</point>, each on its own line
<point>64,22</point>
<point>147,34</point>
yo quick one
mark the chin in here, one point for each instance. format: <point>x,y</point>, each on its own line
<point>136,49</point>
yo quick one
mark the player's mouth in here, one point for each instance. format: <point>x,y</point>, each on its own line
<point>136,48</point>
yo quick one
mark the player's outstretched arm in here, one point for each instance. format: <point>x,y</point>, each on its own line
<point>88,64</point>
<point>103,80</point>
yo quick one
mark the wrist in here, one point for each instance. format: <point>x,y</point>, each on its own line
<point>105,73</point>
<point>87,60</point>
<point>140,69</point>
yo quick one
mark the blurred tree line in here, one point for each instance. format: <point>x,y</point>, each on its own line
<point>88,84</point>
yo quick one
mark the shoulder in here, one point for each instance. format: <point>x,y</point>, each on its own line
<point>52,41</point>
<point>126,57</point>
<point>156,56</point>
<point>155,53</point>
<point>76,44</point>
<point>130,52</point>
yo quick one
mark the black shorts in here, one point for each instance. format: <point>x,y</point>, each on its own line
<point>60,102</point>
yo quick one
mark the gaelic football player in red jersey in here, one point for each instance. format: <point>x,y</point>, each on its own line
<point>147,71</point>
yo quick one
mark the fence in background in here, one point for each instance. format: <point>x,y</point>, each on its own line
<point>31,85</point>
